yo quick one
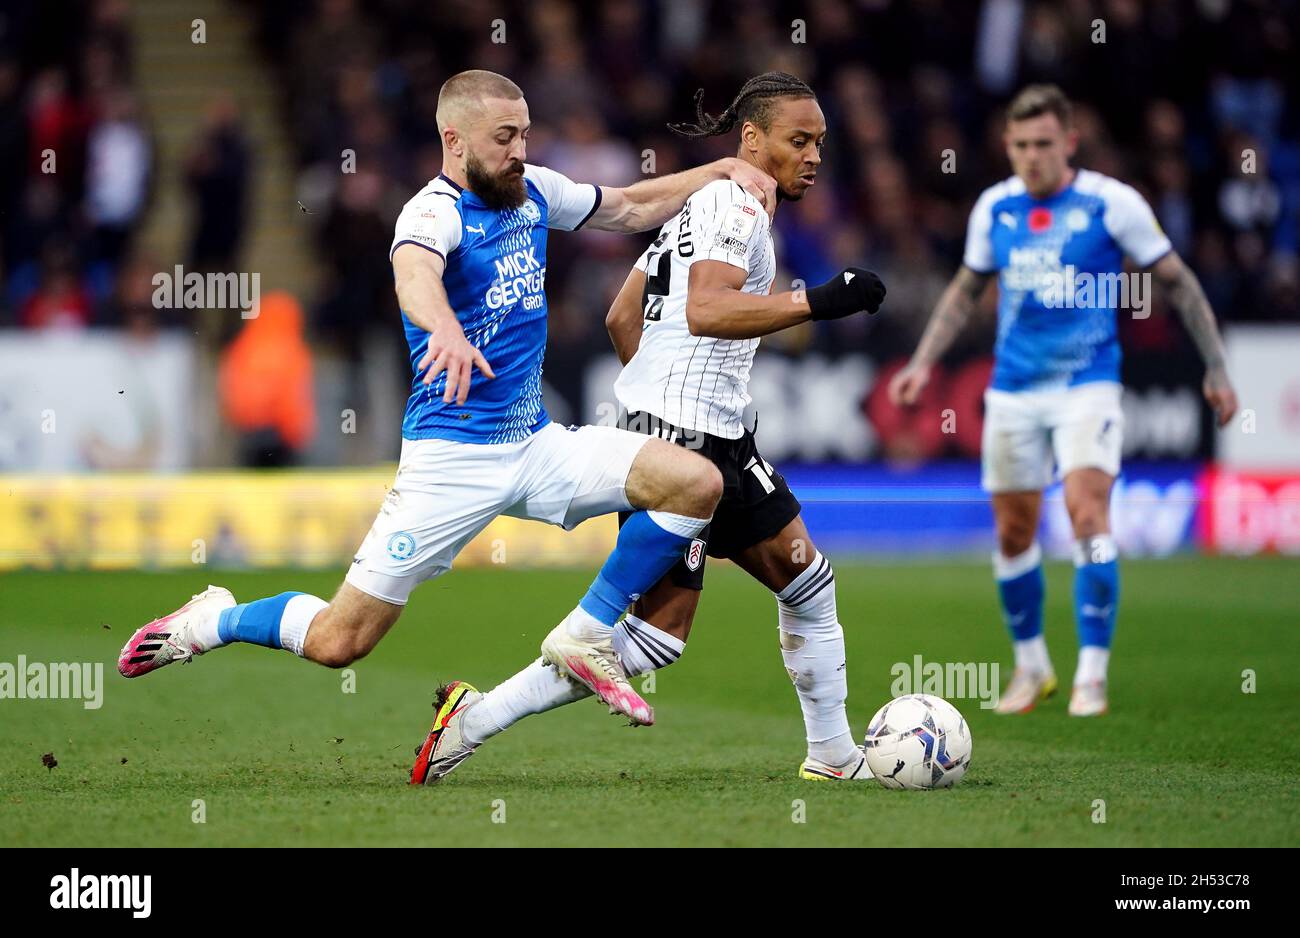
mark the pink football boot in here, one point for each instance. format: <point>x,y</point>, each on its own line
<point>172,638</point>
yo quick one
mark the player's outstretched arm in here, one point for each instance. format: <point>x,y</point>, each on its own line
<point>950,315</point>
<point>651,202</point>
<point>1189,299</point>
<point>716,306</point>
<point>624,318</point>
<point>417,273</point>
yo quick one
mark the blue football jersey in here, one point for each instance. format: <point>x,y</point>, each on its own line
<point>495,279</point>
<point>1083,231</point>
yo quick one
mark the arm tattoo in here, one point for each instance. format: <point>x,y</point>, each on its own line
<point>950,315</point>
<point>1189,299</point>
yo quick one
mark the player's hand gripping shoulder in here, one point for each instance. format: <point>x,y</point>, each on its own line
<point>752,179</point>
<point>850,291</point>
<point>651,202</point>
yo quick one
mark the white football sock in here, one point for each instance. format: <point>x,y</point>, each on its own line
<point>296,620</point>
<point>539,687</point>
<point>581,624</point>
<point>1008,568</point>
<point>536,689</point>
<point>1093,660</point>
<point>642,648</point>
<point>205,632</point>
<point>1031,655</point>
<point>681,525</point>
<point>812,644</point>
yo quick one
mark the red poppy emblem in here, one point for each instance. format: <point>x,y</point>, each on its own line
<point>1040,219</point>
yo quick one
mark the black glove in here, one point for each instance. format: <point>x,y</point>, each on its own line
<point>850,291</point>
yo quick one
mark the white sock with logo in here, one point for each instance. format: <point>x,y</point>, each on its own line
<point>642,648</point>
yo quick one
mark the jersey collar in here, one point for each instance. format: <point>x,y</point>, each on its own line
<point>1045,200</point>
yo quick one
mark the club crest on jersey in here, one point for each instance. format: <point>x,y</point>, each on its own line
<point>738,222</point>
<point>530,211</point>
<point>401,546</point>
<point>1076,219</point>
<point>695,555</point>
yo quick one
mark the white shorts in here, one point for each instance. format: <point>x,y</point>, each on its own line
<point>446,492</point>
<point>1082,426</point>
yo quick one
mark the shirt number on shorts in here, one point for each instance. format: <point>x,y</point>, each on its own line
<point>763,473</point>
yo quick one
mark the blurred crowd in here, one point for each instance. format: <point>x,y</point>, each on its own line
<point>1193,101</point>
<point>1170,101</point>
<point>78,161</point>
<point>75,164</point>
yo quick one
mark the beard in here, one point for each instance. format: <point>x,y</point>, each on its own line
<point>497,191</point>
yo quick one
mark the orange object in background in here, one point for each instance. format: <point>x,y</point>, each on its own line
<point>265,374</point>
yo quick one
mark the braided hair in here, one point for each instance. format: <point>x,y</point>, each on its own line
<point>752,103</point>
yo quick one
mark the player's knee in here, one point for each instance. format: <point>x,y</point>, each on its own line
<point>1015,533</point>
<point>694,486</point>
<point>1015,538</point>
<point>704,482</point>
<point>1088,513</point>
<point>1089,518</point>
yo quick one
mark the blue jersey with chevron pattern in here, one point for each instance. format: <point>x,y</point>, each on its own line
<point>1083,231</point>
<point>495,280</point>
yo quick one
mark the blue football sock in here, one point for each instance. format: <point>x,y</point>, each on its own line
<point>1096,589</point>
<point>649,543</point>
<point>1020,584</point>
<point>257,622</point>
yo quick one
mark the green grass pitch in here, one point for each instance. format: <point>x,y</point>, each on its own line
<point>278,754</point>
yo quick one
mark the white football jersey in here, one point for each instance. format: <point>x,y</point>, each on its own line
<point>695,382</point>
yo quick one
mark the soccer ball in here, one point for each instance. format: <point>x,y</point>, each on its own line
<point>918,741</point>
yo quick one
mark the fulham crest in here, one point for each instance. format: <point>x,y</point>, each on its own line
<point>695,555</point>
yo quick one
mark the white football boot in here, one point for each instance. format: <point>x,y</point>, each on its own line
<point>856,769</point>
<point>1025,690</point>
<point>1089,699</point>
<point>171,638</point>
<point>596,666</point>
